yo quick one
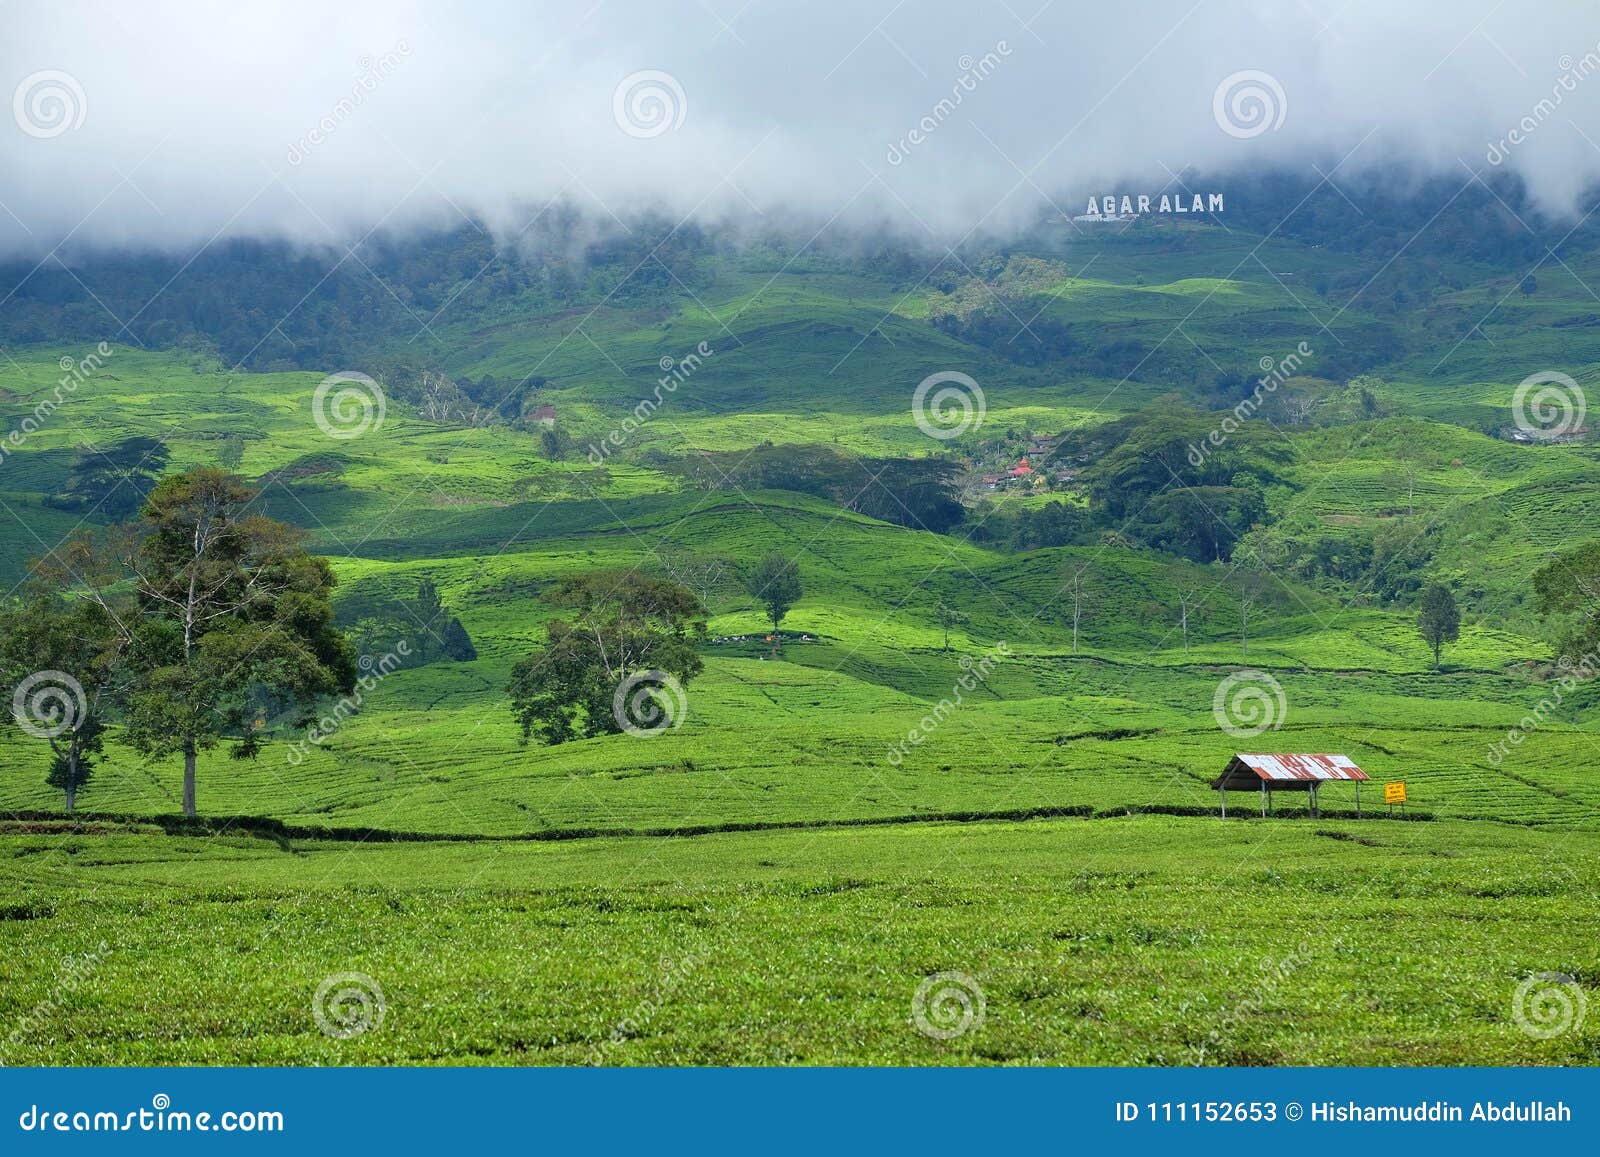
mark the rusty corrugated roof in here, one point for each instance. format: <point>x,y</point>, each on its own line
<point>1278,767</point>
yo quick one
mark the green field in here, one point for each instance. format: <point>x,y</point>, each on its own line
<point>518,903</point>
<point>1148,940</point>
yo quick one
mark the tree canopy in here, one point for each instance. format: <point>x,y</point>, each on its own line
<point>774,582</point>
<point>1439,620</point>
<point>1566,588</point>
<point>64,656</point>
<point>235,623</point>
<point>621,624</point>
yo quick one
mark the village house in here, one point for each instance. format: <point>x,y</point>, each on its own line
<point>1557,437</point>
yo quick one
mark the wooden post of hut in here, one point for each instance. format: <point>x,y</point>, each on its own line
<point>1274,773</point>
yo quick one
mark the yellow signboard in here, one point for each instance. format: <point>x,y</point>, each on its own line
<point>1394,792</point>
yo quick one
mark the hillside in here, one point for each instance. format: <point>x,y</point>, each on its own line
<point>1076,513</point>
<point>825,352</point>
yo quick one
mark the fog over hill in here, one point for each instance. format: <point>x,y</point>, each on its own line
<point>173,126</point>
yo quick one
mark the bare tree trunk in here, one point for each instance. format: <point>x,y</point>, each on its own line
<point>188,780</point>
<point>72,780</point>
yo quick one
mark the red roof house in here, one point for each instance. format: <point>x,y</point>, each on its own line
<point>1296,772</point>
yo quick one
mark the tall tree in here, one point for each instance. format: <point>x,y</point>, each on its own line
<point>1251,586</point>
<point>774,582</point>
<point>1078,584</point>
<point>62,657</point>
<point>1186,606</point>
<point>1409,469</point>
<point>624,624</point>
<point>704,574</point>
<point>1567,586</point>
<point>63,647</point>
<point>1439,620</point>
<point>555,443</point>
<point>235,613</point>
<point>948,617</point>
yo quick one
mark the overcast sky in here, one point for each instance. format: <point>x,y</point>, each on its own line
<point>174,122</point>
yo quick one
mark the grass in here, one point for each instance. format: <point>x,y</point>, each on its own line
<point>1126,939</point>
<point>1151,940</point>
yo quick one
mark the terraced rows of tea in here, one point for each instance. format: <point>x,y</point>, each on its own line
<point>1140,940</point>
<point>946,762</point>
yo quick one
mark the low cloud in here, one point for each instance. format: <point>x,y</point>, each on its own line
<point>169,125</point>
